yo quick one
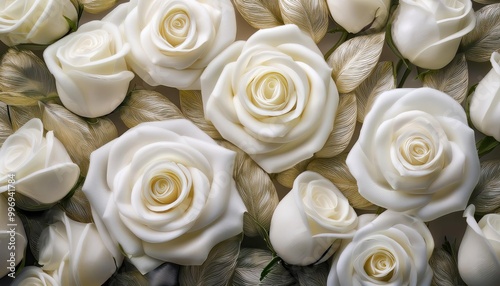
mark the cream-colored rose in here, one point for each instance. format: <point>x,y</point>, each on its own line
<point>479,253</point>
<point>35,21</point>
<point>360,15</point>
<point>485,102</point>
<point>416,154</point>
<point>76,253</point>
<point>428,32</point>
<point>90,69</point>
<point>12,237</point>
<point>173,41</point>
<point>39,165</point>
<point>272,96</point>
<point>34,276</point>
<point>164,191</point>
<point>393,249</point>
<point>310,221</point>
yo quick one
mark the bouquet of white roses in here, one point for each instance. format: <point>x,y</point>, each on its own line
<point>249,142</point>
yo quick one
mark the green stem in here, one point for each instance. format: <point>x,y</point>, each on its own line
<point>342,39</point>
<point>405,76</point>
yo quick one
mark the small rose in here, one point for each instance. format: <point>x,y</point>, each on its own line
<point>164,191</point>
<point>360,15</point>
<point>35,21</point>
<point>310,221</point>
<point>39,166</point>
<point>173,41</point>
<point>393,249</point>
<point>479,253</point>
<point>272,96</point>
<point>90,69</point>
<point>34,276</point>
<point>12,237</point>
<point>416,153</point>
<point>76,253</point>
<point>485,102</point>
<point>428,33</point>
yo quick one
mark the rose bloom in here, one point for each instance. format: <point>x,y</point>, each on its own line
<point>12,239</point>
<point>164,191</point>
<point>309,222</point>
<point>76,254</point>
<point>173,41</point>
<point>360,15</point>
<point>479,253</point>
<point>34,276</point>
<point>428,32</point>
<point>272,96</point>
<point>416,153</point>
<point>34,21</point>
<point>41,166</point>
<point>393,249</point>
<point>90,69</point>
<point>485,102</point>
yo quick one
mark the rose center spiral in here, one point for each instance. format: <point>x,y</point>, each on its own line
<point>416,150</point>
<point>380,265</point>
<point>175,27</point>
<point>269,91</point>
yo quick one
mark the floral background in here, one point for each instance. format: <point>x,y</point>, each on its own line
<point>302,217</point>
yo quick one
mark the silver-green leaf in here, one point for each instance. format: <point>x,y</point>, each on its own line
<point>192,107</point>
<point>5,126</point>
<point>453,79</point>
<point>484,39</point>
<point>260,14</point>
<point>311,16</point>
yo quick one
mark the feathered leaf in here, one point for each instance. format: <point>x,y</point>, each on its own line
<point>487,1</point>
<point>127,275</point>
<point>34,224</point>
<point>353,61</point>
<point>445,269</point>
<point>24,72</point>
<point>97,6</point>
<point>486,194</point>
<point>484,39</point>
<point>78,136</point>
<point>192,107</point>
<point>24,98</point>
<point>336,170</point>
<point>146,106</point>
<point>217,269</point>
<point>260,14</point>
<point>166,274</point>
<point>453,79</point>
<point>251,263</point>
<point>5,126</point>
<point>380,80</point>
<point>314,275</point>
<point>77,207</point>
<point>287,177</point>
<point>19,115</point>
<point>343,129</point>
<point>311,16</point>
<point>256,189</point>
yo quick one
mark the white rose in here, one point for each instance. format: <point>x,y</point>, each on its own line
<point>164,192</point>
<point>173,41</point>
<point>272,96</point>
<point>416,153</point>
<point>40,166</point>
<point>310,221</point>
<point>359,15</point>
<point>393,249</point>
<point>485,102</point>
<point>35,21</point>
<point>34,276</point>
<point>12,237</point>
<point>479,253</point>
<point>428,32</point>
<point>76,254</point>
<point>90,69</point>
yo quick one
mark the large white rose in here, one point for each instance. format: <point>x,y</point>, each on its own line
<point>35,21</point>
<point>40,166</point>
<point>359,15</point>
<point>173,41</point>
<point>310,221</point>
<point>76,253</point>
<point>428,32</point>
<point>164,191</point>
<point>485,102</point>
<point>416,153</point>
<point>393,249</point>
<point>272,96</point>
<point>90,69</point>
<point>12,237</point>
<point>34,276</point>
<point>479,253</point>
